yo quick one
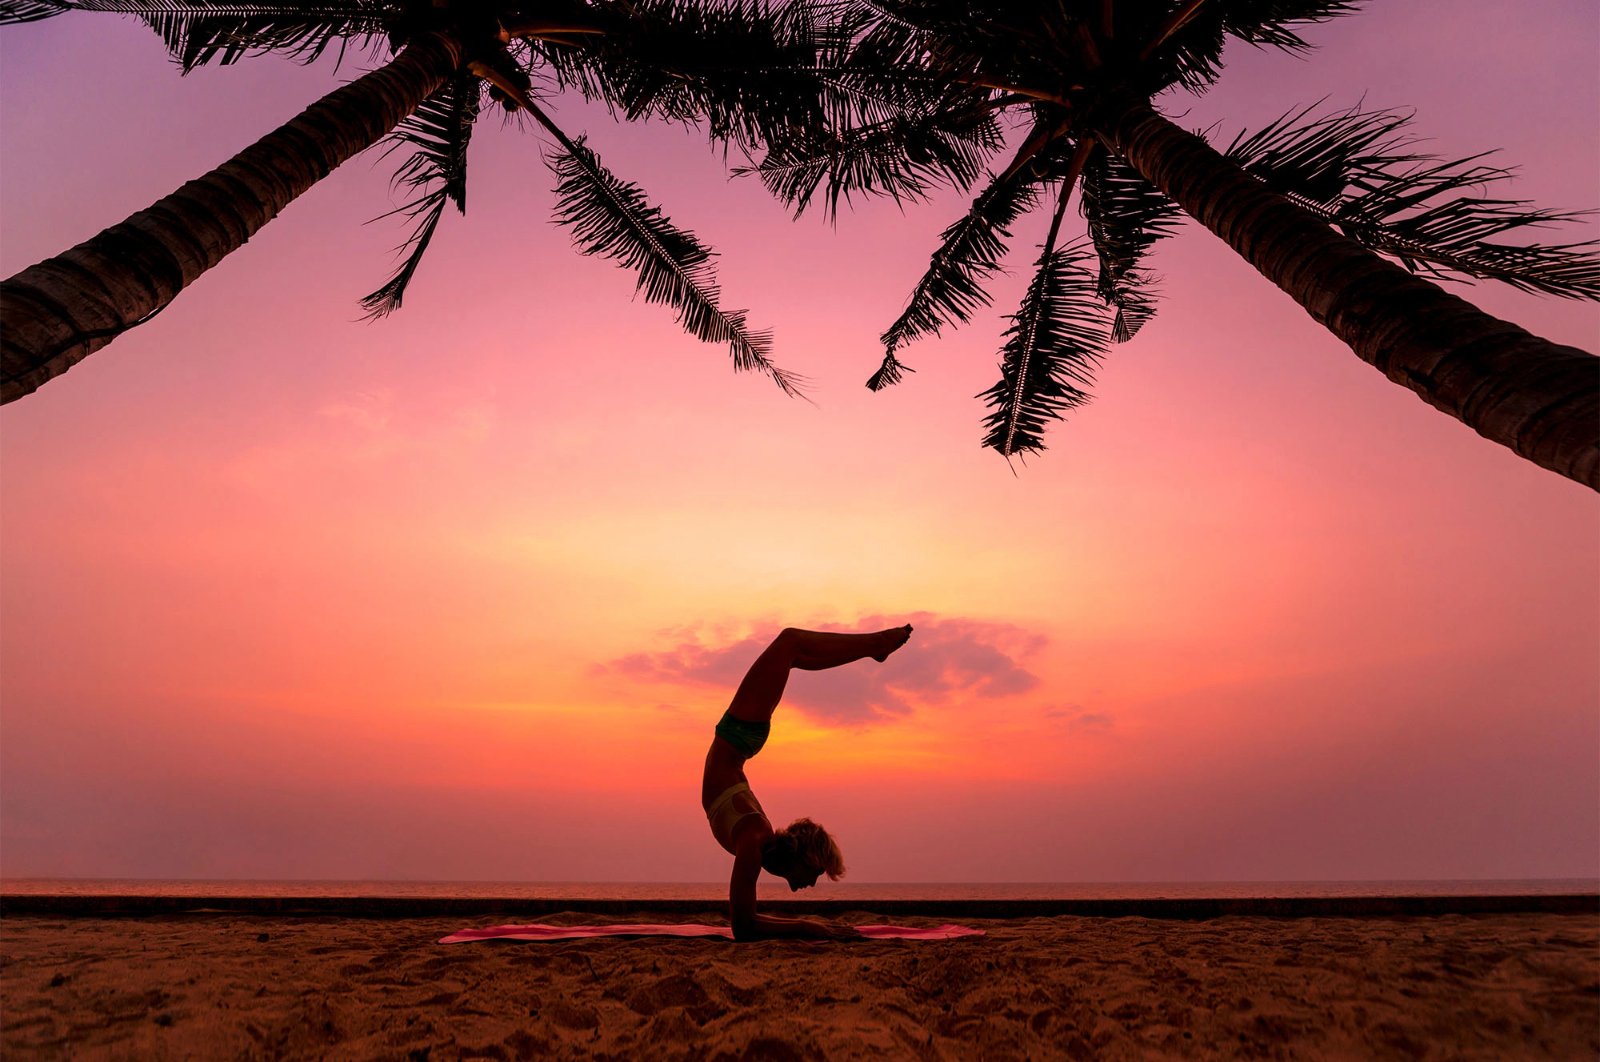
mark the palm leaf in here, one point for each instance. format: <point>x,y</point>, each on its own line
<point>1189,56</point>
<point>438,131</point>
<point>1274,23</point>
<point>1192,55</point>
<point>899,158</point>
<point>198,31</point>
<point>1126,215</point>
<point>873,73</point>
<point>1134,298</point>
<point>15,11</point>
<point>936,45</point>
<point>889,373</point>
<point>884,126</point>
<point>201,37</point>
<point>1360,171</point>
<point>865,13</point>
<point>611,218</point>
<point>1055,343</point>
<point>969,253</point>
<point>741,69</point>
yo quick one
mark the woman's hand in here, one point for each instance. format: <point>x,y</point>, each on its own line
<point>840,931</point>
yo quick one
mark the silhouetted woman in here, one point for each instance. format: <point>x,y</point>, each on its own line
<point>802,851</point>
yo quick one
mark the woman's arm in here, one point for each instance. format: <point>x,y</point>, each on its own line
<point>768,927</point>
<point>747,924</point>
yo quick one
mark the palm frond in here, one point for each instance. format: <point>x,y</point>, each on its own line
<point>1134,299</point>
<point>741,69</point>
<point>969,253</point>
<point>1055,343</point>
<point>1126,215</point>
<point>197,32</point>
<point>888,373</point>
<point>165,14</point>
<point>864,13</point>
<point>870,76</point>
<point>611,218</point>
<point>1192,56</point>
<point>1189,57</point>
<point>900,158</point>
<point>15,11</point>
<point>902,32</point>
<point>438,131</point>
<point>1275,23</point>
<point>1361,171</point>
<point>851,97</point>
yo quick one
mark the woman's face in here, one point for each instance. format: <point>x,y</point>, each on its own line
<point>798,876</point>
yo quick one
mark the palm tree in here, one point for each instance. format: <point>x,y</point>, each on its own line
<point>726,64</point>
<point>1339,209</point>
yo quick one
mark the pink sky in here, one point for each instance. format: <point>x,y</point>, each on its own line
<point>460,594</point>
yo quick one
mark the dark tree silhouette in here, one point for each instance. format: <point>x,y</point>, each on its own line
<point>1339,209</point>
<point>742,70</point>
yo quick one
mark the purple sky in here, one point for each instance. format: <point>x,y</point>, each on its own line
<point>461,593</point>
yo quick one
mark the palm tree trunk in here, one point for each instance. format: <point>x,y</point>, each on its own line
<point>56,313</point>
<point>1539,398</point>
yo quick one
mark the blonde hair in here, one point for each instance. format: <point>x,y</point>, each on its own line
<point>807,843</point>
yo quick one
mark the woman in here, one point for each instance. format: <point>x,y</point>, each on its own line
<point>802,851</point>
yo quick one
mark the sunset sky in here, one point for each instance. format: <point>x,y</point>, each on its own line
<point>460,594</point>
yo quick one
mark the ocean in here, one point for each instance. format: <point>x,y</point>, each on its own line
<point>864,892</point>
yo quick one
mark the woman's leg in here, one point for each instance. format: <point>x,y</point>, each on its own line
<point>763,684</point>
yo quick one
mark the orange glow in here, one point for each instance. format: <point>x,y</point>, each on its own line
<point>289,596</point>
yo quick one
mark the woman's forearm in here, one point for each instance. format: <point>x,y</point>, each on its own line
<point>770,927</point>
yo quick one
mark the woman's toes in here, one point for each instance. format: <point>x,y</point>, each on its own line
<point>893,639</point>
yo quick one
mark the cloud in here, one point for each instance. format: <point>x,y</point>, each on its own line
<point>1076,718</point>
<point>369,410</point>
<point>947,660</point>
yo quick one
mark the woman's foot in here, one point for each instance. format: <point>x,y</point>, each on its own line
<point>892,639</point>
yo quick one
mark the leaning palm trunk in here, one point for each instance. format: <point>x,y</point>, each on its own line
<point>1539,398</point>
<point>56,313</point>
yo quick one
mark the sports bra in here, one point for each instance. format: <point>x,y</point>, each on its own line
<point>736,804</point>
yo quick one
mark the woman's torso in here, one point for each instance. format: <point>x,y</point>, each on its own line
<point>731,808</point>
<point>734,813</point>
<point>724,768</point>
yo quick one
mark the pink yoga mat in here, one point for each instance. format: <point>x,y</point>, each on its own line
<point>683,929</point>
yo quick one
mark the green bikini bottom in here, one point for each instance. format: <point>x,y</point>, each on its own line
<point>742,734</point>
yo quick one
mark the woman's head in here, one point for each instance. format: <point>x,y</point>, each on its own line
<point>801,853</point>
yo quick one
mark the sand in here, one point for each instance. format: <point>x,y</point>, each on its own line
<point>251,987</point>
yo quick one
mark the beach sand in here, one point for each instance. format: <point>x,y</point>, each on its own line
<point>210,987</point>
